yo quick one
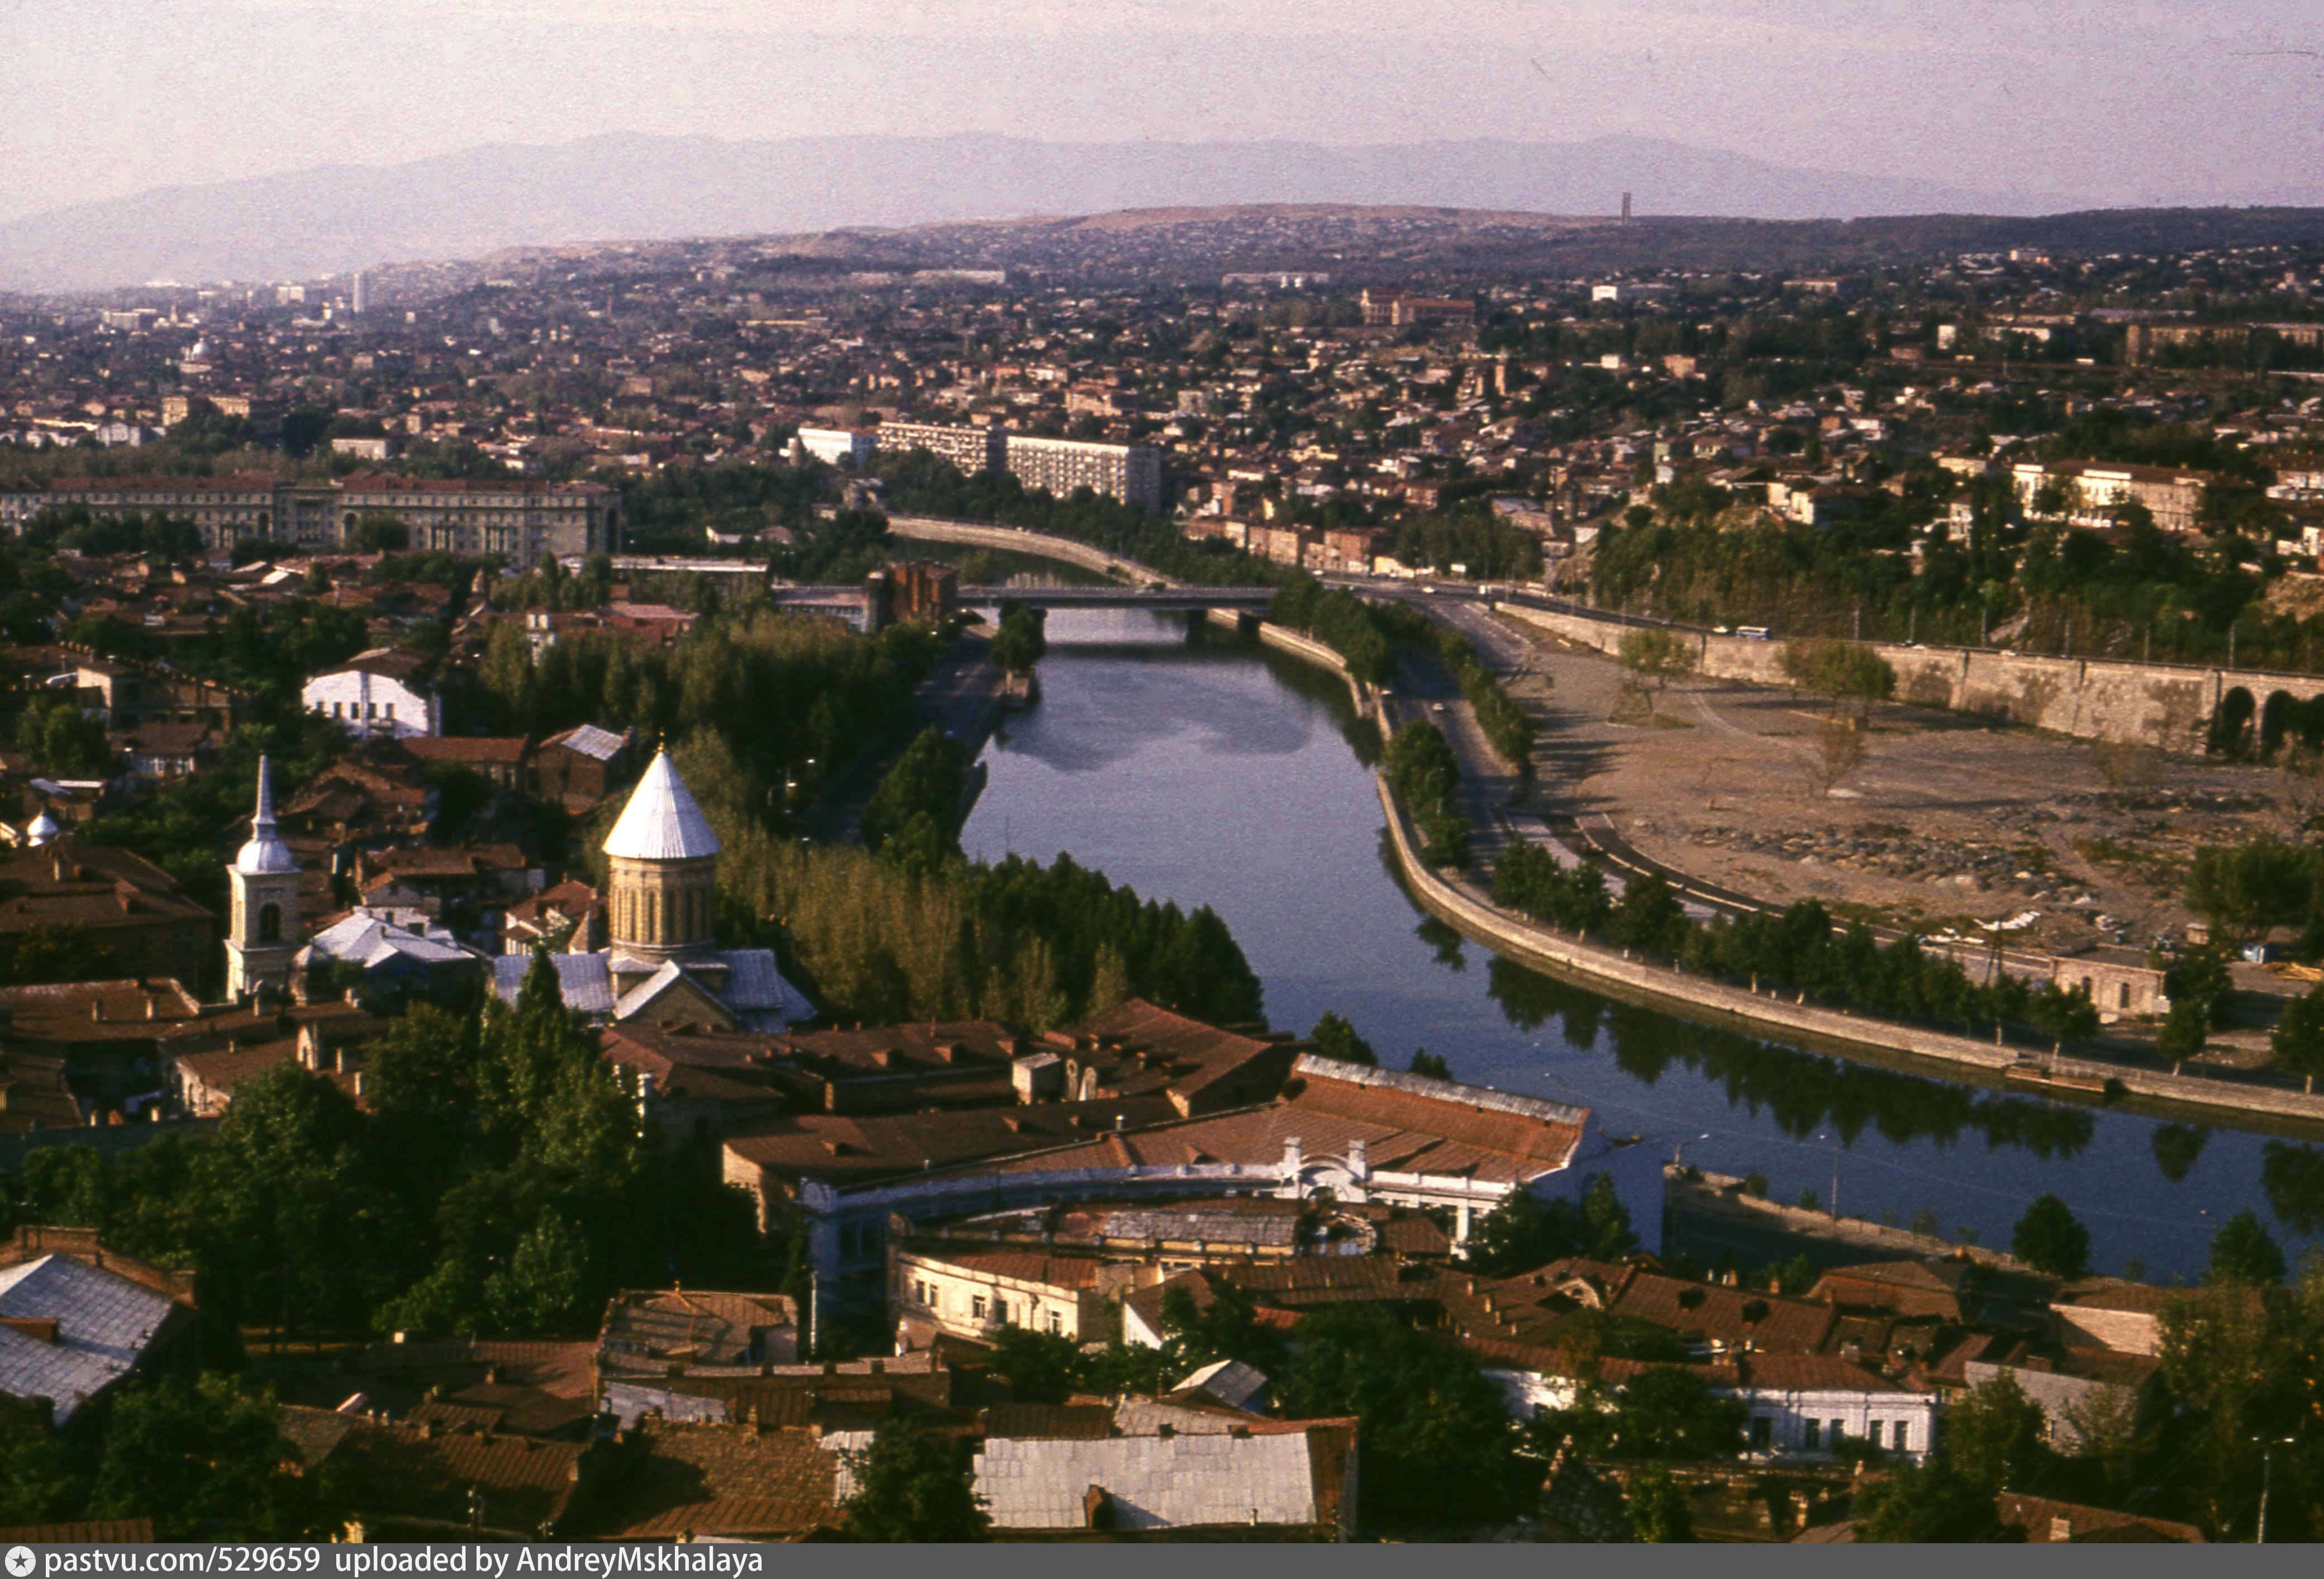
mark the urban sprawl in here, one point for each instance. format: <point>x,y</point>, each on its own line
<point>500,1039</point>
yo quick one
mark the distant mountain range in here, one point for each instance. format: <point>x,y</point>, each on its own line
<point>628,186</point>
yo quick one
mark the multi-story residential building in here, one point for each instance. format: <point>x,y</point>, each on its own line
<point>834,446</point>
<point>971,448</point>
<point>2095,490</point>
<point>518,518</point>
<point>1131,473</point>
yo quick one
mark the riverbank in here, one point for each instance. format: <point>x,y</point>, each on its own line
<point>1462,905</point>
<point>1459,904</point>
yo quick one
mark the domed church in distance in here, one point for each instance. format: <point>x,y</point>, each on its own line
<point>664,962</point>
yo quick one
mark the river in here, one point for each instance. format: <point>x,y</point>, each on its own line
<point>1216,772</point>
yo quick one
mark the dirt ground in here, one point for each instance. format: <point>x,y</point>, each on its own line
<point>1947,822</point>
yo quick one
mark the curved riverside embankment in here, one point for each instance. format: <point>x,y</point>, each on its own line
<point>1019,539</point>
<point>1463,906</point>
<point>1459,904</point>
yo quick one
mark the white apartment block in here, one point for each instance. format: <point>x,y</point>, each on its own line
<point>1131,473</point>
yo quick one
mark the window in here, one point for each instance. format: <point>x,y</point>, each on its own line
<point>1810,1436</point>
<point>1057,1329</point>
<point>1001,1311</point>
<point>1903,1436</point>
<point>1762,1432</point>
<point>270,923</point>
<point>976,1306</point>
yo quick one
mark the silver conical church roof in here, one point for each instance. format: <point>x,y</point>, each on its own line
<point>265,853</point>
<point>661,821</point>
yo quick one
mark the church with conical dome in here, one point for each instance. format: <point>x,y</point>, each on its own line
<point>663,962</point>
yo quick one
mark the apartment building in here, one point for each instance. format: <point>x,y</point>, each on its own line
<point>1131,473</point>
<point>971,448</point>
<point>522,519</point>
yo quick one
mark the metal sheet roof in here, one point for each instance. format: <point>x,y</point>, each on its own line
<point>103,1322</point>
<point>1154,1481</point>
<point>662,822</point>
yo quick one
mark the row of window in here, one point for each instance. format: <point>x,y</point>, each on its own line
<point>1824,1436</point>
<point>993,1308</point>
<point>683,917</point>
<point>346,710</point>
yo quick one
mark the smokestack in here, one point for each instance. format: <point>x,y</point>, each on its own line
<point>1626,208</point>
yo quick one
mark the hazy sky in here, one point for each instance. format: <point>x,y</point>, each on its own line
<point>2120,102</point>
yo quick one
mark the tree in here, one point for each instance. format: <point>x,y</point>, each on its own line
<point>1524,1232</point>
<point>1994,1435</point>
<point>2244,1255</point>
<point>2050,1239</point>
<point>204,1462</point>
<point>1022,640</point>
<point>912,1486</point>
<point>544,1289</point>
<point>1926,1504</point>
<point>2186,1030</point>
<point>2297,1042</point>
<point>2247,890</point>
<point>1439,1445</point>
<point>1334,1038</point>
<point>1671,1414</point>
<point>1430,1065</point>
<point>1841,670</point>
<point>1649,916</point>
<point>61,739</point>
<point>1655,658</point>
<point>1040,1366</point>
<point>1838,751</point>
<point>926,781</point>
<point>1658,1511</point>
<point>378,532</point>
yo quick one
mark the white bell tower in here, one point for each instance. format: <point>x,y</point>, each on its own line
<point>262,918</point>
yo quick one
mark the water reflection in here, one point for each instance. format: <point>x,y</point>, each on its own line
<point>2294,1176</point>
<point>2178,1147</point>
<point>1802,1093</point>
<point>1204,769</point>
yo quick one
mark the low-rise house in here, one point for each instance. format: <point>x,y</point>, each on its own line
<point>501,760</point>
<point>690,1482</point>
<point>210,1057</point>
<point>133,915</point>
<point>75,1318</point>
<point>692,1081</point>
<point>580,768</point>
<point>421,1483</point>
<point>649,1332</point>
<point>2076,1389</point>
<point>974,1294</point>
<point>389,961</point>
<point>565,917</point>
<point>1257,1479</point>
<point>383,692</point>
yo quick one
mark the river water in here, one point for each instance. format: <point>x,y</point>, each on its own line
<point>1216,771</point>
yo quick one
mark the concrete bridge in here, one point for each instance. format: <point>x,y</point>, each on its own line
<point>851,604</point>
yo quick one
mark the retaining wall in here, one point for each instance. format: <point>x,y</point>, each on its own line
<point>2167,705</point>
<point>1461,905</point>
<point>1018,539</point>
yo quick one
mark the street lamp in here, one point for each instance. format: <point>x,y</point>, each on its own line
<point>1832,1204</point>
<point>1682,1144</point>
<point>2266,1477</point>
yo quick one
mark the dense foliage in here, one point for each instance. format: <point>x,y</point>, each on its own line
<point>1799,951</point>
<point>498,1183</point>
<point>1426,777</point>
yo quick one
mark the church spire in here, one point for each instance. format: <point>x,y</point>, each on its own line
<point>265,853</point>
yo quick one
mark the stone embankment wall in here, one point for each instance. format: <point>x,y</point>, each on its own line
<point>1463,906</point>
<point>2167,705</point>
<point>1017,540</point>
